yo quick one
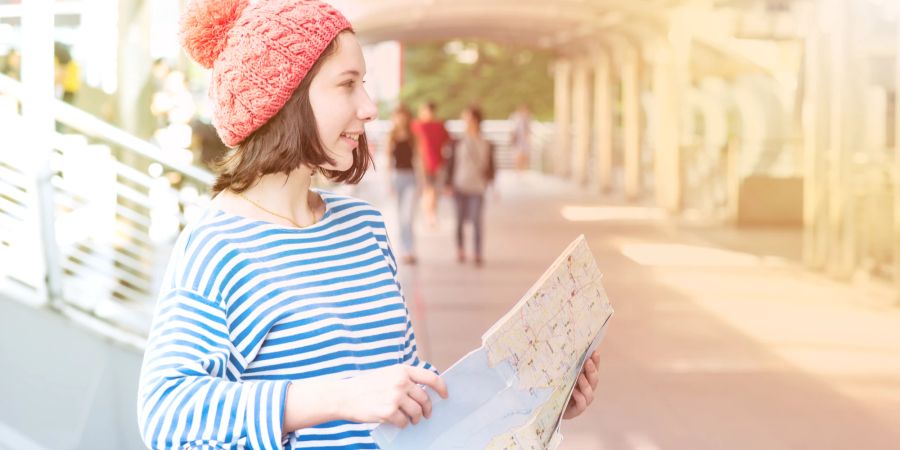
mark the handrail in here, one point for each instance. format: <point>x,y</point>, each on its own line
<point>105,280</point>
<point>90,125</point>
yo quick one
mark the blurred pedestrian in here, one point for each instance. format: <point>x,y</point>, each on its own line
<point>431,137</point>
<point>12,64</point>
<point>174,104</point>
<point>208,147</point>
<point>406,174</point>
<point>471,171</point>
<point>520,137</point>
<point>68,74</point>
<point>159,73</point>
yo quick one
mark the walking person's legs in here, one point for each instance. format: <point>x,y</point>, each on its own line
<point>429,200</point>
<point>476,209</point>
<point>405,186</point>
<point>460,223</point>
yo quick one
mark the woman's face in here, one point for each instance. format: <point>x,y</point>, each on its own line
<point>340,102</point>
<point>467,118</point>
<point>401,119</point>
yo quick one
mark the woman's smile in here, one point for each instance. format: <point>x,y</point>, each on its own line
<point>351,138</point>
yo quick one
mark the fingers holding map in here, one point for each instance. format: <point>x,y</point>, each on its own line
<point>512,392</point>
<point>583,394</point>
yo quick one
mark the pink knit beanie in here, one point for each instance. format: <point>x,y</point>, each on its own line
<point>258,54</point>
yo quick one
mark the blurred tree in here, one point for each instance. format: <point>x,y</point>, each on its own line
<point>497,76</point>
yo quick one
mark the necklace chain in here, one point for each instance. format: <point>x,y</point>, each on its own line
<point>275,213</point>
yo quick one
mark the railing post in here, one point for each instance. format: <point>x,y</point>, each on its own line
<point>896,170</point>
<point>631,122</point>
<point>562,116</point>
<point>37,113</point>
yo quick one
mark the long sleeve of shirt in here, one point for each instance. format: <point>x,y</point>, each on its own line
<point>410,350</point>
<point>411,356</point>
<point>187,398</point>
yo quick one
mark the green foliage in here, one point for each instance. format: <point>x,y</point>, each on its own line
<point>497,77</point>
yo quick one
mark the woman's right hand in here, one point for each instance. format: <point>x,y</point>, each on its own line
<point>389,395</point>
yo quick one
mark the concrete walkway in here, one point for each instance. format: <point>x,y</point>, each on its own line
<point>721,340</point>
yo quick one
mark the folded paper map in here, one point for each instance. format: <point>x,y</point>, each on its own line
<point>511,392</point>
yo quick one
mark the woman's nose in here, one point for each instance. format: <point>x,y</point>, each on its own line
<point>367,110</point>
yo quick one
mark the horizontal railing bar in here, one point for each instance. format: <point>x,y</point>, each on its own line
<point>11,223</point>
<point>106,283</point>
<point>97,128</point>
<point>63,187</point>
<point>10,191</point>
<point>12,209</point>
<point>133,216</point>
<point>110,285</point>
<point>14,177</point>
<point>133,174</point>
<point>133,195</point>
<point>129,263</point>
<point>136,235</point>
<point>95,263</point>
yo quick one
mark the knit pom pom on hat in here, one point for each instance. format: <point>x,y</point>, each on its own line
<point>258,51</point>
<point>205,25</point>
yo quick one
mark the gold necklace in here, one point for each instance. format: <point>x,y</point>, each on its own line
<point>241,194</point>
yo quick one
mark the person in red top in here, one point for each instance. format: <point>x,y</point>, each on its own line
<point>431,137</point>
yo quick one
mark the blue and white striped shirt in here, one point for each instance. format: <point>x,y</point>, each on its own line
<point>248,306</point>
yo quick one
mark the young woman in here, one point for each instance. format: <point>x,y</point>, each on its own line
<point>280,322</point>
<point>406,177</point>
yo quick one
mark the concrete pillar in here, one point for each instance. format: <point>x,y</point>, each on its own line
<point>666,155</point>
<point>896,239</point>
<point>603,122</point>
<point>133,62</point>
<point>815,143</point>
<point>581,104</point>
<point>631,127</point>
<point>38,119</point>
<point>38,78</point>
<point>562,116</point>
<point>842,118</point>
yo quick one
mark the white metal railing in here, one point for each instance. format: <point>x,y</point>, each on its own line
<point>498,132</point>
<point>116,215</point>
<point>870,210</point>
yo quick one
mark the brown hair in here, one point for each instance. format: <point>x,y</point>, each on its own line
<point>287,141</point>
<point>476,113</point>
<point>407,129</point>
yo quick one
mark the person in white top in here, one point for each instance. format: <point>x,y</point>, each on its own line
<point>520,138</point>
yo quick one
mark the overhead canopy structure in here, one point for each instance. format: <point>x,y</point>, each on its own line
<point>564,26</point>
<point>568,28</point>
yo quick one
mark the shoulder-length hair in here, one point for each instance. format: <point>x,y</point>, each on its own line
<point>289,139</point>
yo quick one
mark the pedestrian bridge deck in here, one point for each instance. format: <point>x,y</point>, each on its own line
<point>721,339</point>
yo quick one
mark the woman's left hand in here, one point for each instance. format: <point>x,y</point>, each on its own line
<point>583,394</point>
